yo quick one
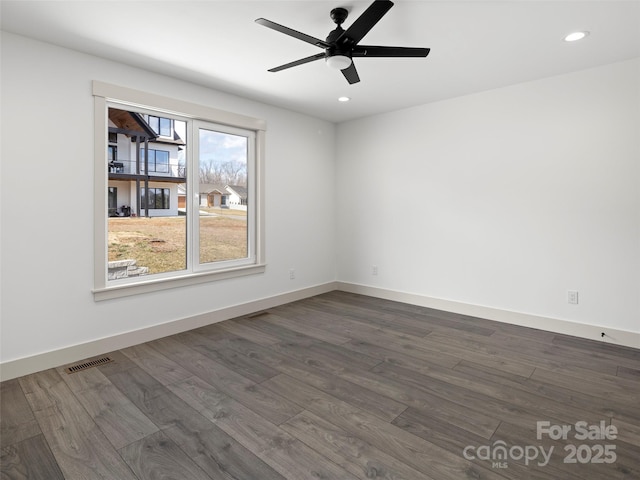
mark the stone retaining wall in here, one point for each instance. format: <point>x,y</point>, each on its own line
<point>124,269</point>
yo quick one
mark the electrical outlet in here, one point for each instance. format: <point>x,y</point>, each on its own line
<point>572,297</point>
<point>374,270</point>
<point>292,274</point>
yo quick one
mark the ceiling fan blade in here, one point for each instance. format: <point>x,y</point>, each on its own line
<point>351,74</point>
<point>302,61</point>
<point>364,23</point>
<point>376,51</point>
<point>292,33</point>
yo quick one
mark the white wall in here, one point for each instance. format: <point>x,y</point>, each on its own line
<point>47,206</point>
<point>511,197</point>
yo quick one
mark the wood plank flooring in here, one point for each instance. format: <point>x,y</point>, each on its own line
<point>338,386</point>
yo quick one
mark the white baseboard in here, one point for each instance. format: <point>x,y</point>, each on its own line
<point>566,327</point>
<point>74,353</point>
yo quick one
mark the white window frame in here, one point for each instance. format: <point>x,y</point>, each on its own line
<point>105,93</point>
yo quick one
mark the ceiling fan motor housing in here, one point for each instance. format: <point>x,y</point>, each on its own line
<point>335,48</point>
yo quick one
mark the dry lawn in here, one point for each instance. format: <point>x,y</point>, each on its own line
<point>160,243</point>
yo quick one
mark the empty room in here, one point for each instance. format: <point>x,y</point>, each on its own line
<point>270,240</point>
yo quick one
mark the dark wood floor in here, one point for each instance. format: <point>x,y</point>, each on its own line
<point>338,386</point>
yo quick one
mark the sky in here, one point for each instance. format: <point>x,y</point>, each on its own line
<point>222,147</point>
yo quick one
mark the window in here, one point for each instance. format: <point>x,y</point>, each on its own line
<point>158,198</point>
<point>162,126</point>
<point>112,153</point>
<point>113,201</point>
<point>175,231</point>
<point>158,160</point>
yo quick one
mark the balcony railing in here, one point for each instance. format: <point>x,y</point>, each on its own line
<point>128,167</point>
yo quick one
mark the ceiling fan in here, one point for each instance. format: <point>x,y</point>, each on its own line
<point>341,46</point>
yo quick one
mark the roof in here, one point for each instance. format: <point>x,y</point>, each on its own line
<point>239,190</point>
<point>176,140</point>
<point>208,188</point>
<point>211,188</point>
<point>130,123</point>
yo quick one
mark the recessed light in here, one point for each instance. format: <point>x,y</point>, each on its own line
<point>575,36</point>
<point>343,99</point>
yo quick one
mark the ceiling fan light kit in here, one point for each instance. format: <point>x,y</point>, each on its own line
<point>341,46</point>
<point>338,62</point>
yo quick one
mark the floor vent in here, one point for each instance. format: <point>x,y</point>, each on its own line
<point>92,363</point>
<point>259,314</point>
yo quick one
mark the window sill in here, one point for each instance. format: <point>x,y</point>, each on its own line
<point>156,284</point>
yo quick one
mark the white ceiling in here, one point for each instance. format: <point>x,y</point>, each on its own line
<point>475,45</point>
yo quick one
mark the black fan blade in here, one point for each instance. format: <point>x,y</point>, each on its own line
<point>302,61</point>
<point>292,33</point>
<point>351,74</point>
<point>375,51</point>
<point>364,23</point>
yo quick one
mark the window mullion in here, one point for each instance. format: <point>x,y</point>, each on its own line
<point>192,199</point>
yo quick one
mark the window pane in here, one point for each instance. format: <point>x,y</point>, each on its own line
<point>151,198</point>
<point>154,123</point>
<point>223,189</point>
<point>145,241</point>
<point>151,160</point>
<point>142,159</point>
<point>112,201</point>
<point>162,161</point>
<point>165,127</point>
<point>143,198</point>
